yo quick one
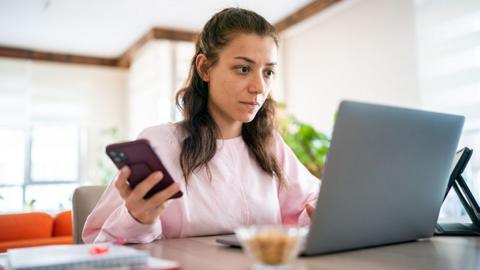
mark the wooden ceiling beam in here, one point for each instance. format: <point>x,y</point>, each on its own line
<point>303,13</point>
<point>155,33</point>
<point>56,57</point>
<point>125,59</point>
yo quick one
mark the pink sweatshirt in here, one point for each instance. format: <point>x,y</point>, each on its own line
<point>240,193</point>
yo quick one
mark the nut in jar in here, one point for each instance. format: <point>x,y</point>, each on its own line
<point>271,244</point>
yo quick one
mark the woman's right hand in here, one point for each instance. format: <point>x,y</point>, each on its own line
<point>144,211</point>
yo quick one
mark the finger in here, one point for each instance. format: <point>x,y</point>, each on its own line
<point>142,189</point>
<point>159,209</point>
<point>121,182</point>
<point>161,197</point>
<point>310,209</point>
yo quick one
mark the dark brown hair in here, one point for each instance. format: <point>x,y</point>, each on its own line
<point>199,145</point>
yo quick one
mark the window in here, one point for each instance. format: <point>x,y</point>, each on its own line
<point>11,198</point>
<point>55,121</point>
<point>41,196</point>
<point>36,164</point>
<point>55,153</point>
<point>448,43</point>
<point>12,159</point>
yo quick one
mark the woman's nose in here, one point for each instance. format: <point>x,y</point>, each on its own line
<point>257,84</point>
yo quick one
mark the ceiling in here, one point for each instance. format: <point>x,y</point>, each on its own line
<point>107,28</point>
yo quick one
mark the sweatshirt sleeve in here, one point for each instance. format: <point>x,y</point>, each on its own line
<point>110,220</point>
<point>302,187</point>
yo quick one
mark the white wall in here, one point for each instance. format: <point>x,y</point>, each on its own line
<point>149,87</point>
<point>158,70</point>
<point>91,97</point>
<point>361,50</point>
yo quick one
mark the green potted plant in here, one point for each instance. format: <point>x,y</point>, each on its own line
<point>309,145</point>
<point>30,206</point>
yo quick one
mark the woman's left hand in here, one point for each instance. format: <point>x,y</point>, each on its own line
<point>310,209</point>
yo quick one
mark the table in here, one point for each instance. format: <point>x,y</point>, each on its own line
<point>434,253</point>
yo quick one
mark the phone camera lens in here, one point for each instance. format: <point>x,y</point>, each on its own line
<point>122,156</point>
<point>113,153</point>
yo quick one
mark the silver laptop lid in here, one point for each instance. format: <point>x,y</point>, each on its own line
<point>385,177</point>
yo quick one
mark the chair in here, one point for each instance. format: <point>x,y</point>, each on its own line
<point>84,200</point>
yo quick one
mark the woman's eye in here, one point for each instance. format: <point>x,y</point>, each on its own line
<point>269,73</point>
<point>243,69</point>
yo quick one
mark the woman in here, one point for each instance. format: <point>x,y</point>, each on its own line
<point>232,166</point>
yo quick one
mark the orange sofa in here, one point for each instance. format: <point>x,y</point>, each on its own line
<point>35,229</point>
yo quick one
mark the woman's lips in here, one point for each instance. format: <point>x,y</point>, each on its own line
<point>250,105</point>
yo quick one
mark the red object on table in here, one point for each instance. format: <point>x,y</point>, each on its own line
<point>99,250</point>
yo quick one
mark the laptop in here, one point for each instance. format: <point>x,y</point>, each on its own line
<point>385,177</point>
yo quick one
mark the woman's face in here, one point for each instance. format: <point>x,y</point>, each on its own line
<point>241,79</point>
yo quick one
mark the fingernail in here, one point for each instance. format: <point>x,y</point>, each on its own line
<point>158,175</point>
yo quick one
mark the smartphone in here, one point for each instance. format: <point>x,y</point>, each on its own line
<point>139,156</point>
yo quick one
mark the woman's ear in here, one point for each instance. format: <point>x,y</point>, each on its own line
<point>201,63</point>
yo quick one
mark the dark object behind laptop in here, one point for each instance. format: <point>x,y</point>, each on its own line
<point>466,198</point>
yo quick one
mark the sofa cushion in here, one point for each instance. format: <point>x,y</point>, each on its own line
<point>62,224</point>
<point>25,226</point>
